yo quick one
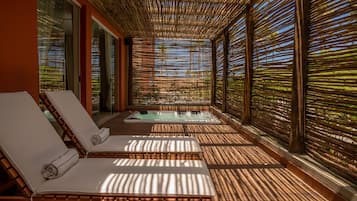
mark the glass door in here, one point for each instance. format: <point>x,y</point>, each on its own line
<point>58,45</point>
<point>104,70</point>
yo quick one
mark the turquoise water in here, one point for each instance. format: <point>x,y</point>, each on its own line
<point>173,116</point>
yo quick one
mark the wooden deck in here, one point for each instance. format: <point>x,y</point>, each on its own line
<point>240,170</point>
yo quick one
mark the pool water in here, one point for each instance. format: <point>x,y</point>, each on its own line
<point>172,117</point>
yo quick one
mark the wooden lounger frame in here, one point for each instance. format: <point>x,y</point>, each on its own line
<point>27,193</point>
<point>132,155</point>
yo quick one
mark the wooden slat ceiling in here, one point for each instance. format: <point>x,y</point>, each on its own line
<point>202,19</point>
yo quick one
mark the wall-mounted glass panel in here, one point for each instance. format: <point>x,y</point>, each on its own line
<point>58,45</point>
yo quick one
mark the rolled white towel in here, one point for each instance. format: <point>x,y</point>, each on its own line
<point>60,165</point>
<point>101,136</point>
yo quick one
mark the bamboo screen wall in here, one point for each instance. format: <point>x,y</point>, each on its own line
<point>236,63</point>
<point>330,128</point>
<point>171,71</point>
<point>272,67</point>
<point>219,72</point>
<point>331,116</point>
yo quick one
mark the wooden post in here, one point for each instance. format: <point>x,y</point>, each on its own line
<point>296,140</point>
<point>246,117</point>
<point>129,45</point>
<point>225,69</point>
<point>86,56</point>
<point>213,74</point>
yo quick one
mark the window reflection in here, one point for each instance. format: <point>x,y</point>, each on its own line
<point>104,69</point>
<point>58,29</point>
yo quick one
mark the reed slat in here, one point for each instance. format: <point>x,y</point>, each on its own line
<point>331,131</point>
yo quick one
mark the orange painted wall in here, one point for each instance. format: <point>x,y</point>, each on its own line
<point>85,54</point>
<point>18,47</point>
<point>19,57</point>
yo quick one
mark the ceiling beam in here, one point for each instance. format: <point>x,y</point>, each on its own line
<point>206,1</point>
<point>181,23</point>
<point>181,35</point>
<point>211,13</point>
<point>200,26</point>
<point>173,31</point>
<point>169,33</point>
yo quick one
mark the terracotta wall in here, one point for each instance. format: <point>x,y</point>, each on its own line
<point>18,52</point>
<point>18,47</point>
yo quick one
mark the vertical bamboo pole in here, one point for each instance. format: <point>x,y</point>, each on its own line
<point>225,69</point>
<point>213,74</point>
<point>296,140</point>
<point>246,117</point>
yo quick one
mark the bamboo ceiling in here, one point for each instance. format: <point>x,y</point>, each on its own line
<point>202,19</point>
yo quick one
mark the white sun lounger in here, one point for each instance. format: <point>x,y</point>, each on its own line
<point>28,142</point>
<point>79,127</point>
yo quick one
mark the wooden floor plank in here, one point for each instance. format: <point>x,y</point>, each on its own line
<point>240,170</point>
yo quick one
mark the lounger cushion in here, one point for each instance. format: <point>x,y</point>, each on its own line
<point>74,114</point>
<point>148,144</point>
<point>68,106</point>
<point>26,137</point>
<point>29,141</point>
<point>134,177</point>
